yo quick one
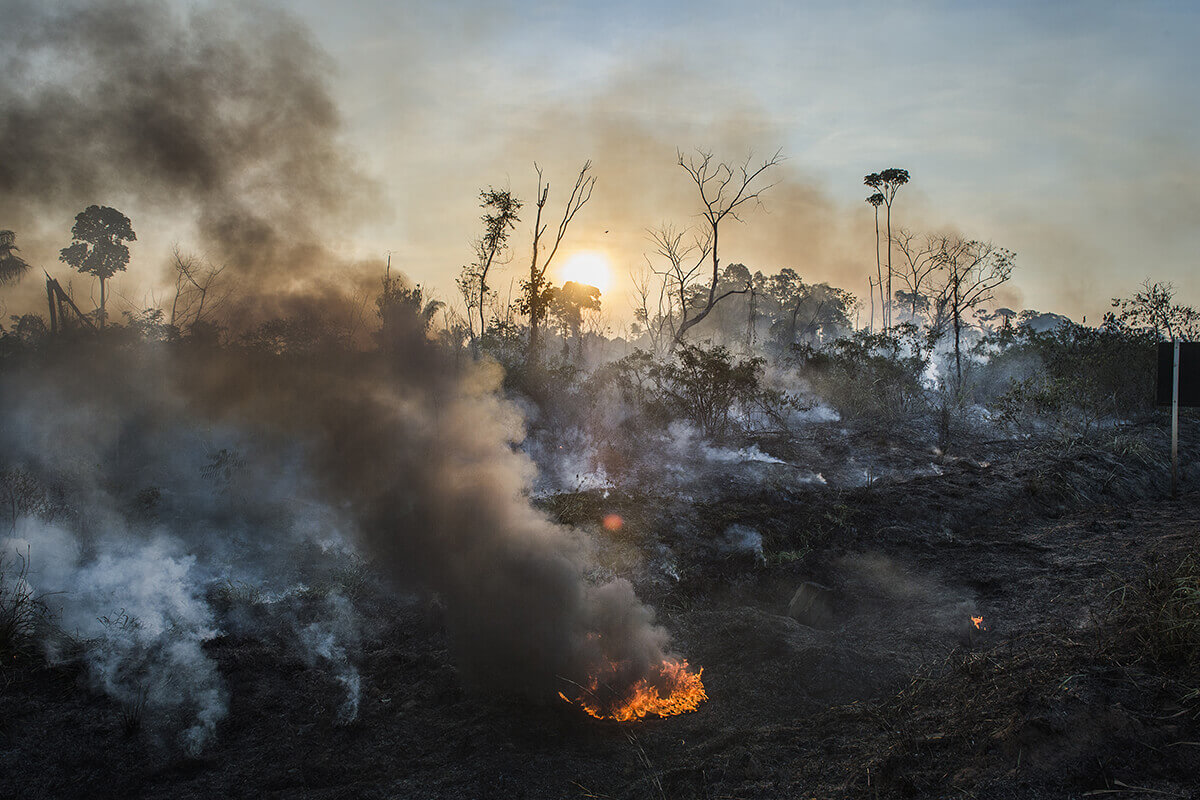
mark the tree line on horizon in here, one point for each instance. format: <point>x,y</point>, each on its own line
<point>934,283</point>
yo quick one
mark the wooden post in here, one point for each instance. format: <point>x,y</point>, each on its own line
<point>1175,424</point>
<point>51,300</point>
<point>57,314</point>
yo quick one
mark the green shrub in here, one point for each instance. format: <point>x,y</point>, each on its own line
<point>877,376</point>
<point>707,386</point>
<point>1071,377</point>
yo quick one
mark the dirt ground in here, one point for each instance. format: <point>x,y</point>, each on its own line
<point>889,691</point>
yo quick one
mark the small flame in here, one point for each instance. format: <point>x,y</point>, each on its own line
<point>978,623</point>
<point>613,522</point>
<point>675,691</point>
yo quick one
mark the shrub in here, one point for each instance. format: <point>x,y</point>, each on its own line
<point>20,607</point>
<point>867,375</point>
<point>1072,376</point>
<point>707,386</point>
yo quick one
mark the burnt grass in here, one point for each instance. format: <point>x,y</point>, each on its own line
<point>890,691</point>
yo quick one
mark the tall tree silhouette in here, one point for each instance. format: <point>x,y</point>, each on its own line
<point>876,200</point>
<point>499,219</point>
<point>887,183</point>
<point>98,247</point>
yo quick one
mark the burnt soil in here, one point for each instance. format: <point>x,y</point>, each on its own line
<point>890,691</point>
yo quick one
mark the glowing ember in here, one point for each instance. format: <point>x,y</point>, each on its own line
<point>674,691</point>
<point>978,623</point>
<point>613,522</point>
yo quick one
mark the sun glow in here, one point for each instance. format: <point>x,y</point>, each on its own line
<point>587,267</point>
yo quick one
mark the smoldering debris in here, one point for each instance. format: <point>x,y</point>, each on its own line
<point>680,459</point>
<point>134,610</point>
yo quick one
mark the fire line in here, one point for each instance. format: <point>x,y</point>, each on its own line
<point>682,692</point>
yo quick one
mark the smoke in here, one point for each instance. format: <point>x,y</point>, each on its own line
<point>185,475</point>
<point>326,643</point>
<point>220,120</point>
<point>423,456</point>
<point>640,186</point>
<point>193,476</point>
<point>135,608</point>
<point>220,115</point>
<point>135,515</point>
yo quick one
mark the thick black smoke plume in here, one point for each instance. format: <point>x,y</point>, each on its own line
<point>182,470</point>
<point>421,454</point>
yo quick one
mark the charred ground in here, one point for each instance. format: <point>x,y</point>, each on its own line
<point>1082,681</point>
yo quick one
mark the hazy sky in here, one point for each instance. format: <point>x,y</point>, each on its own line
<point>1066,132</point>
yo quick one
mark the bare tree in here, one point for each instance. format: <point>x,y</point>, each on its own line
<point>654,309</point>
<point>197,293</point>
<point>920,254</point>
<point>679,273</point>
<point>887,183</point>
<point>537,292</point>
<point>970,272</point>
<point>724,190</point>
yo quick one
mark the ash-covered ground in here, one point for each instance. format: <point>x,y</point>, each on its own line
<point>871,681</point>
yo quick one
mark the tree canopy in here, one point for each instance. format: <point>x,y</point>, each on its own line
<point>12,266</point>
<point>98,242</point>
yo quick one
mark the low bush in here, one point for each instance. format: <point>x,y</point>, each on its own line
<point>1072,377</point>
<point>708,386</point>
<point>20,607</point>
<point>870,376</point>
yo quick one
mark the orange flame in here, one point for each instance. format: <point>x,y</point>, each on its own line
<point>978,623</point>
<point>681,691</point>
<point>613,522</point>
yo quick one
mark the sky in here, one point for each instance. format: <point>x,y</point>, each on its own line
<point>1065,132</point>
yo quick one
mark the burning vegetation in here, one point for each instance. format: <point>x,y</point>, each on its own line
<point>674,690</point>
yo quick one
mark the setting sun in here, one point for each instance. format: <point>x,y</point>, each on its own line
<point>588,267</point>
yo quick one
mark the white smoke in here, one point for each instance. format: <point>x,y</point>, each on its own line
<point>159,513</point>
<point>137,613</point>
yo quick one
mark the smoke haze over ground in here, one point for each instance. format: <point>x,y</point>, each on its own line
<point>193,476</point>
<point>266,549</point>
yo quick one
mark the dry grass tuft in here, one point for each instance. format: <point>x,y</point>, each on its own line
<point>1159,611</point>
